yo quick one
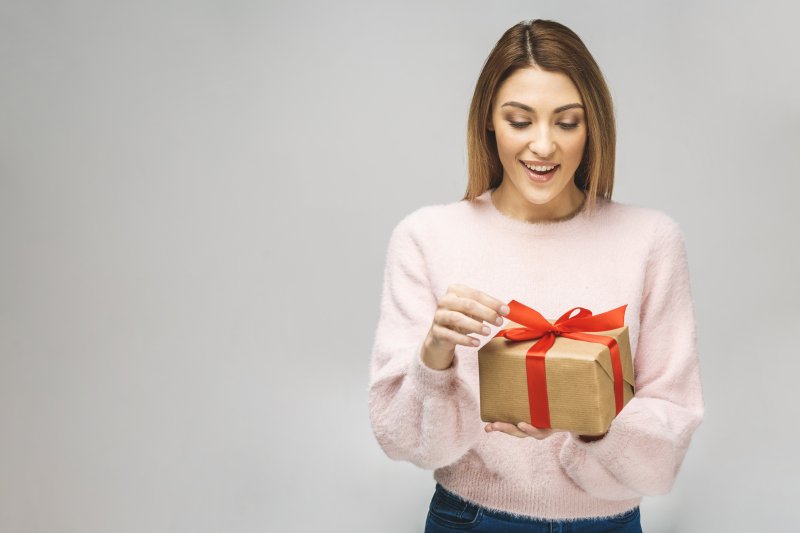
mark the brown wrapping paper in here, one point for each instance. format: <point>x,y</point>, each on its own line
<point>580,381</point>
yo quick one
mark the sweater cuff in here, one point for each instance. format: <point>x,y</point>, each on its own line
<point>429,380</point>
<point>590,464</point>
<point>607,449</point>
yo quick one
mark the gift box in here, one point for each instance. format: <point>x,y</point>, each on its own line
<point>574,373</point>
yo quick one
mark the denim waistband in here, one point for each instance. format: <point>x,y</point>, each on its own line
<point>508,517</point>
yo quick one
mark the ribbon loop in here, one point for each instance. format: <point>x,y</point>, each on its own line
<point>566,316</point>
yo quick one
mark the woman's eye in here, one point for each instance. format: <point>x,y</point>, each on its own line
<point>563,125</point>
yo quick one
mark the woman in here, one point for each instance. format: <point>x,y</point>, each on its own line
<point>537,224</point>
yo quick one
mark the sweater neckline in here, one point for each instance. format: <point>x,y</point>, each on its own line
<point>579,219</point>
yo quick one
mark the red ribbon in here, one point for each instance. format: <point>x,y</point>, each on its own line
<point>536,326</point>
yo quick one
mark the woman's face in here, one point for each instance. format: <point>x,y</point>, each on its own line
<point>538,119</point>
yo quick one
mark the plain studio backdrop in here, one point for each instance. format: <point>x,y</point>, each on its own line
<point>195,203</point>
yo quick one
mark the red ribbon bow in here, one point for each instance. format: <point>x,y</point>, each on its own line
<point>536,326</point>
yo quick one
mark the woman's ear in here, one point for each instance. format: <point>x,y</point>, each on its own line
<point>489,125</point>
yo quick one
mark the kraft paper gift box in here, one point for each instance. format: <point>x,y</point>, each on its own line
<point>573,374</point>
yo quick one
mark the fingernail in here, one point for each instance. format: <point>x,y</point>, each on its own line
<point>505,310</point>
<point>486,330</point>
<point>499,321</point>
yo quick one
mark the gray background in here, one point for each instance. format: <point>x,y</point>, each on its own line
<point>195,203</point>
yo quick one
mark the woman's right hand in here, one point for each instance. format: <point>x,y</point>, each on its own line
<point>460,311</point>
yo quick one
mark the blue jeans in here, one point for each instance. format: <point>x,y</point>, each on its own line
<point>449,512</point>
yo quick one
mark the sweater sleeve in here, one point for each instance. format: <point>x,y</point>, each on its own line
<point>646,443</point>
<point>418,414</point>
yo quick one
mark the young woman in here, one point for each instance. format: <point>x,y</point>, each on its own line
<point>537,225</point>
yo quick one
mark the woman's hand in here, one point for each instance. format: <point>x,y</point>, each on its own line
<point>526,430</point>
<point>521,430</point>
<point>462,310</point>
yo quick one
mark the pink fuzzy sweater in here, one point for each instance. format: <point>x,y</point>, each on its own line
<point>618,254</point>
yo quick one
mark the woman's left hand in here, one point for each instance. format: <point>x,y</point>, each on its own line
<point>521,430</point>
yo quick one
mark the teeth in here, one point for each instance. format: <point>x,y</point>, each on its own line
<point>540,169</point>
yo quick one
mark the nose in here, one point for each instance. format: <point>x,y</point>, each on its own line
<point>543,144</point>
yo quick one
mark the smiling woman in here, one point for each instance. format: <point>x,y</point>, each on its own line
<point>540,144</point>
<point>545,78</point>
<point>536,225</point>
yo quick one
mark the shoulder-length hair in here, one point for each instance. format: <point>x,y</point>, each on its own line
<point>552,47</point>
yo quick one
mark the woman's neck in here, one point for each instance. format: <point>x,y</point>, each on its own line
<point>514,205</point>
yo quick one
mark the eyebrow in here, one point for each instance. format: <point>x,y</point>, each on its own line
<point>556,110</point>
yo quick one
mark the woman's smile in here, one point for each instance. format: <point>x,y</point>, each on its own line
<point>540,173</point>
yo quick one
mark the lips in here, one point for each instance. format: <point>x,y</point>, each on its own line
<point>539,176</point>
<point>539,165</point>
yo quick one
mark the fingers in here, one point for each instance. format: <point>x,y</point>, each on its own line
<point>445,335</point>
<point>476,304</point>
<point>520,430</point>
<point>461,312</point>
<point>457,326</point>
<point>511,429</point>
<point>535,432</point>
<point>464,309</point>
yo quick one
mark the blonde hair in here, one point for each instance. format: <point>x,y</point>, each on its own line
<point>552,47</point>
